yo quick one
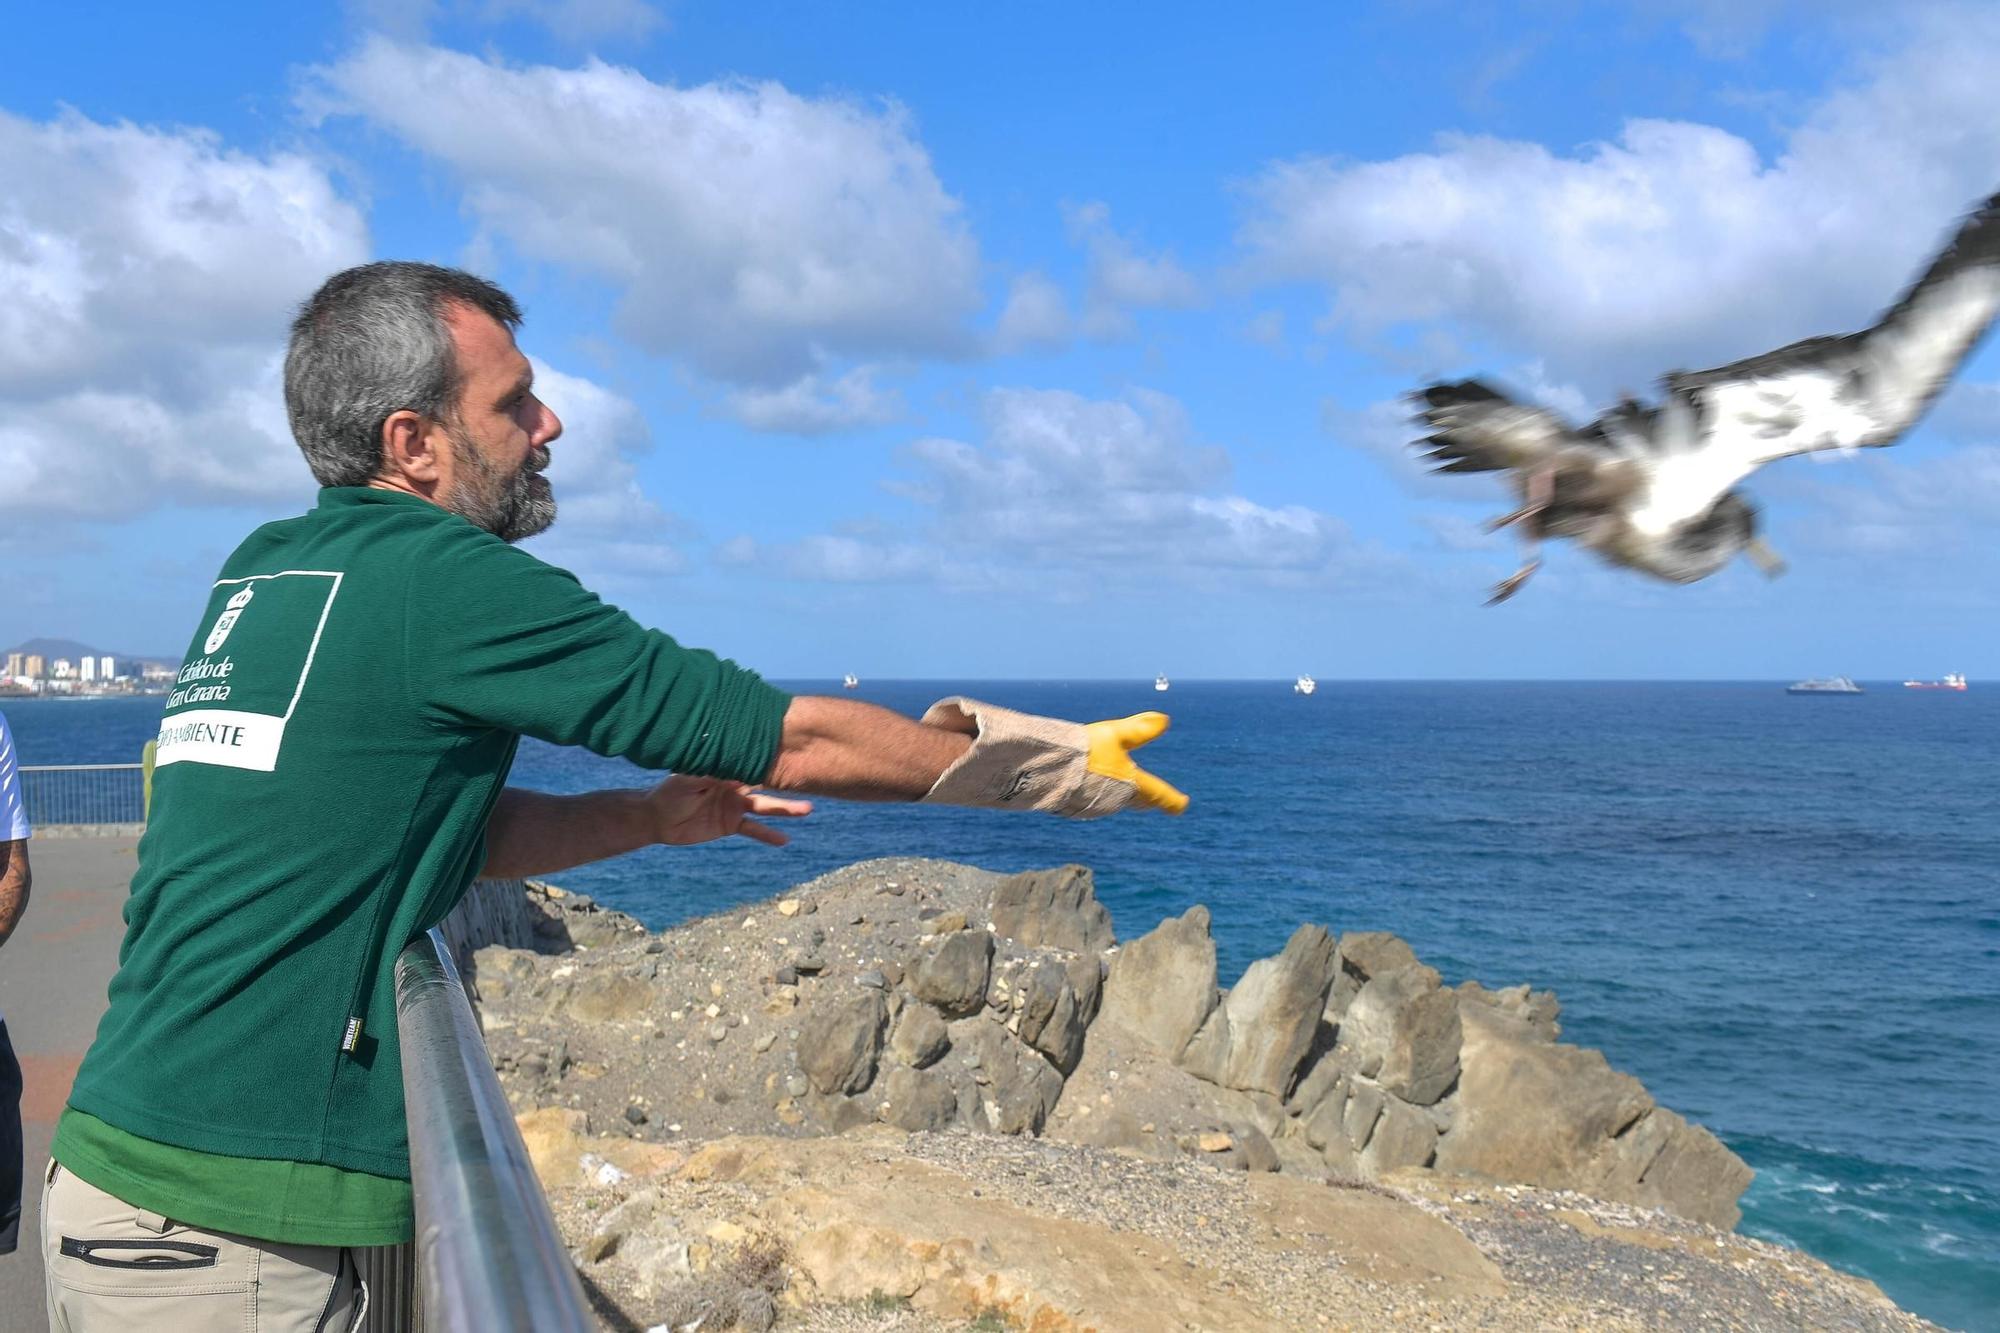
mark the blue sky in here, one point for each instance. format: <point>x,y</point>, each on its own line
<point>1011,340</point>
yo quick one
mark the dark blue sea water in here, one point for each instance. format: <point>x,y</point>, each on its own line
<point>1779,912</point>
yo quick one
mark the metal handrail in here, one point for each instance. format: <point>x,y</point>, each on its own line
<point>489,1258</point>
<point>71,768</point>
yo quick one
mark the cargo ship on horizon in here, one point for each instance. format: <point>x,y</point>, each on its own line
<point>1948,683</point>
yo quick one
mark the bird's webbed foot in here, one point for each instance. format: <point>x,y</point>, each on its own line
<point>1510,585</point>
<point>1521,515</point>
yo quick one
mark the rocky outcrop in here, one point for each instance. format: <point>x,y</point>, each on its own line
<point>840,1039</point>
<point>1057,909</point>
<point>1402,1029</point>
<point>1531,1108</point>
<point>1255,1039</point>
<point>952,973</point>
<point>1162,985</point>
<point>882,995</point>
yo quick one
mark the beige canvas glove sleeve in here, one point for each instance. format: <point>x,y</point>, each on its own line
<point>1022,762</point>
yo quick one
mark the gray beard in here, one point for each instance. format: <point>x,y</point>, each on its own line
<point>511,507</point>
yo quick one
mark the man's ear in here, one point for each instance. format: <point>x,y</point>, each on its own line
<point>413,448</point>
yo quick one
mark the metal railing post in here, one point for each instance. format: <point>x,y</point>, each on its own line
<point>489,1258</point>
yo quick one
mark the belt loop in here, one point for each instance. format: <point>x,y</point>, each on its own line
<point>152,1222</point>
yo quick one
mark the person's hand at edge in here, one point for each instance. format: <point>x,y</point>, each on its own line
<point>689,810</point>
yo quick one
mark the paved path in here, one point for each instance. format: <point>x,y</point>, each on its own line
<point>53,975</point>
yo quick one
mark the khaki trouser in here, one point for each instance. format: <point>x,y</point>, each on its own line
<point>113,1267</point>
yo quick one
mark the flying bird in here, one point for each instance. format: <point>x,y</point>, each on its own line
<point>1653,487</point>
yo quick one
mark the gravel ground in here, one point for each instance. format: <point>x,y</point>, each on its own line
<point>1569,1262</point>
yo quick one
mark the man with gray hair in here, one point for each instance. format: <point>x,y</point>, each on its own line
<point>331,777</point>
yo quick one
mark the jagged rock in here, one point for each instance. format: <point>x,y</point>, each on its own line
<point>553,1136</point>
<point>840,1039</point>
<point>1536,1010</point>
<point>1559,1116</point>
<point>919,1099</point>
<point>632,1216</point>
<point>1364,955</point>
<point>1056,908</point>
<point>1257,1037</point>
<point>1402,1030</point>
<point>1086,978</point>
<point>1254,1148</point>
<point>841,1114</point>
<point>1162,985</point>
<point>1664,1162</point>
<point>1326,1121</point>
<point>1021,1088</point>
<point>1403,1136</point>
<point>1322,1072</point>
<point>1361,1113</point>
<point>497,970</point>
<point>609,997</point>
<point>952,974</point>
<point>920,1036</point>
<point>1052,1018</point>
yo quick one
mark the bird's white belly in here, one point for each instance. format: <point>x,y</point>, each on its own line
<point>1681,487</point>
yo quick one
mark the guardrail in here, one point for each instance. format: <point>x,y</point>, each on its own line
<point>488,1256</point>
<point>85,798</point>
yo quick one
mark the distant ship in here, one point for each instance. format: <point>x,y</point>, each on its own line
<point>850,681</point>
<point>1829,685</point>
<point>1305,685</point>
<point>1160,682</point>
<point>1948,683</point>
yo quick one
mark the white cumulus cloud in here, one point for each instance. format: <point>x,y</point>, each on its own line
<point>816,404</point>
<point>1062,486</point>
<point>1122,276</point>
<point>761,235</point>
<point>1674,243</point>
<point>146,280</point>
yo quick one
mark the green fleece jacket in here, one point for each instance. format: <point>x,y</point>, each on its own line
<point>331,751</point>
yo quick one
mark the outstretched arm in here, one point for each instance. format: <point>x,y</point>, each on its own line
<point>14,881</point>
<point>535,833</point>
<point>964,752</point>
<point>859,752</point>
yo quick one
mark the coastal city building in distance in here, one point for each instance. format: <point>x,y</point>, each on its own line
<point>86,674</point>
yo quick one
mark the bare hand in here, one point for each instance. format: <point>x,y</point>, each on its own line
<point>688,810</point>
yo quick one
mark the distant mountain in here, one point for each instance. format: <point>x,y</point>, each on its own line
<point>52,649</point>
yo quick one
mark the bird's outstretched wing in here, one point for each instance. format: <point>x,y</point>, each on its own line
<point>1476,428</point>
<point>1856,390</point>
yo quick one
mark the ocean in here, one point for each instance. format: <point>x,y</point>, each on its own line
<point>1778,912</point>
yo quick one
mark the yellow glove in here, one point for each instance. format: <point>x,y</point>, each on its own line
<point>1018,761</point>
<point>1111,746</point>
